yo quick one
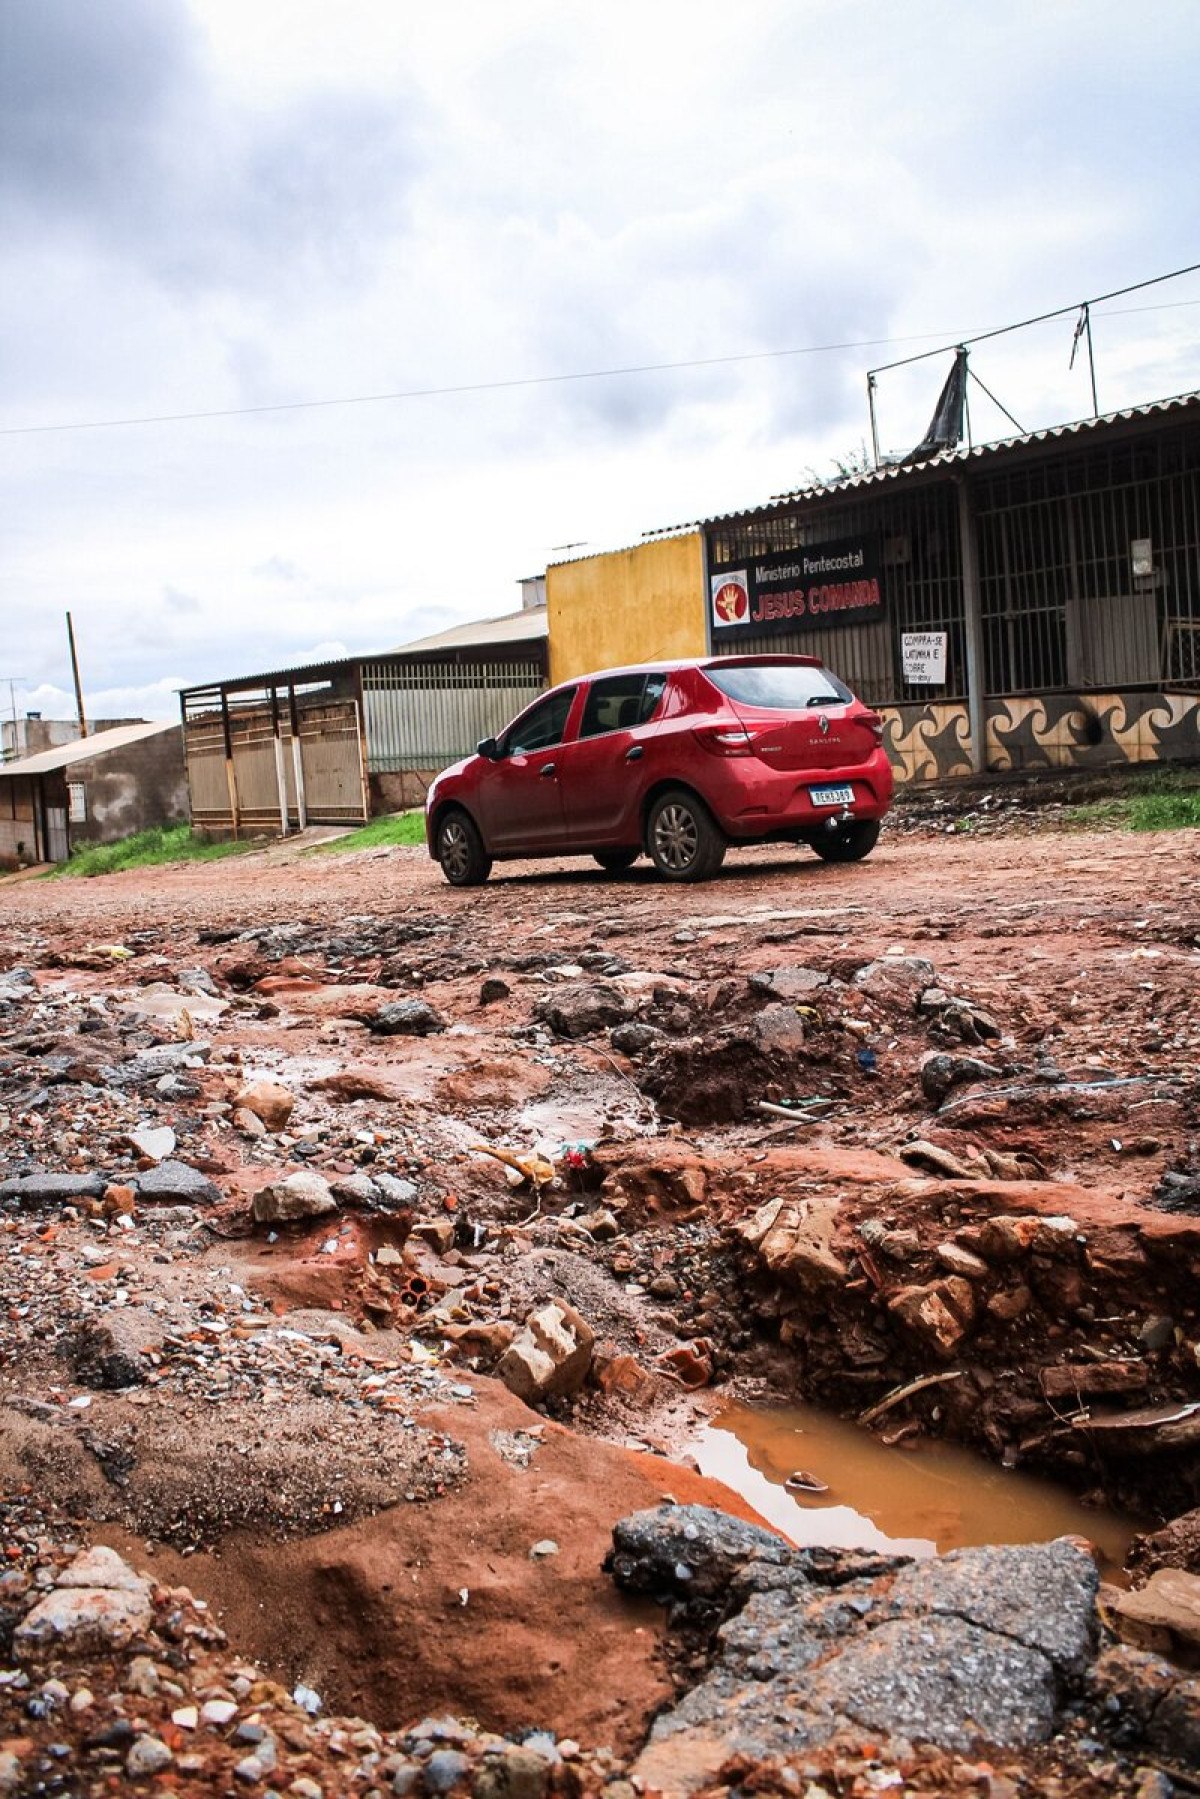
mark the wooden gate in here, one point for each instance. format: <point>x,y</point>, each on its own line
<point>315,778</point>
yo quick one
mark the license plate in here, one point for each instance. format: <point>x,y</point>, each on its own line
<point>831,796</point>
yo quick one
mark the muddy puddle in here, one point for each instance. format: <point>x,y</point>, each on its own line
<point>549,1124</point>
<point>917,1500</point>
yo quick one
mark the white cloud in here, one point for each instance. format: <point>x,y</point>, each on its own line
<point>214,205</point>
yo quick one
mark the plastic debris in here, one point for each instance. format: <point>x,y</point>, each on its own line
<point>532,1170</point>
<point>804,1482</point>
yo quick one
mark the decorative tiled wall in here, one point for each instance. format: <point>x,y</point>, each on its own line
<point>1094,730</point>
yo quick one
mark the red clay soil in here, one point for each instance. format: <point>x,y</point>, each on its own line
<point>1085,950</point>
<point>373,1616</point>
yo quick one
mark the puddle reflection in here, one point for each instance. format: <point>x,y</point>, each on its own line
<point>917,1501</point>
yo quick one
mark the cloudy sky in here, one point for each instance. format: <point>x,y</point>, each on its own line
<point>212,205</point>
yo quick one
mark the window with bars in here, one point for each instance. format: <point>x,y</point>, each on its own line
<point>1063,604</point>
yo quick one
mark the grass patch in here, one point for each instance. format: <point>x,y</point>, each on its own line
<point>397,827</point>
<point>149,849</point>
<point>1165,803</point>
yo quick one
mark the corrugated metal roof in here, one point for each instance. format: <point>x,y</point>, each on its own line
<point>623,549</point>
<point>85,748</point>
<point>528,625</point>
<point>976,452</point>
<point>899,472</point>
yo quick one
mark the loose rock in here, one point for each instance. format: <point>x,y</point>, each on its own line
<point>301,1195</point>
<point>550,1357</point>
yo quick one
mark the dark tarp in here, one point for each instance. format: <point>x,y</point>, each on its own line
<point>946,426</point>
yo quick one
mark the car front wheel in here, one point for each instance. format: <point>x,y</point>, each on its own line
<point>683,840</point>
<point>849,842</point>
<point>465,862</point>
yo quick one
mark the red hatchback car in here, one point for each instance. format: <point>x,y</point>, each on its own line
<point>676,759</point>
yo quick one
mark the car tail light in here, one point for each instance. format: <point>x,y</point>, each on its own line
<point>874,725</point>
<point>724,740</point>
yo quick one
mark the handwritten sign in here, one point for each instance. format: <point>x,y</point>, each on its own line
<point>923,657</point>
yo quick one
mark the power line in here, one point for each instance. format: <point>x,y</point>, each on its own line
<point>472,387</point>
<point>1038,319</point>
<point>642,368</point>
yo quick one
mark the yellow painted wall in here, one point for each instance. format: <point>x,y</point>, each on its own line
<point>645,604</point>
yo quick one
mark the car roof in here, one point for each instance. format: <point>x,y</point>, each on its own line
<point>684,662</point>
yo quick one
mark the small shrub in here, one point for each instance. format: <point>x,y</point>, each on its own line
<point>1168,801</point>
<point>406,828</point>
<point>149,849</point>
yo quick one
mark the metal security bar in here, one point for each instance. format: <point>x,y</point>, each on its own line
<point>1090,569</point>
<point>427,715</point>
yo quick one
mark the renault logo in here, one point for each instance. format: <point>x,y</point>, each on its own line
<point>824,725</point>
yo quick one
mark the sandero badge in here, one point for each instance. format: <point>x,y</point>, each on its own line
<point>676,761</point>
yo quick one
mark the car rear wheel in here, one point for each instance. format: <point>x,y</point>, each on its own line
<point>615,862</point>
<point>465,862</point>
<point>682,838</point>
<point>848,842</point>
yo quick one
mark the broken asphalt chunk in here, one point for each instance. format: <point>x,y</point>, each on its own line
<point>407,1018</point>
<point>177,1181</point>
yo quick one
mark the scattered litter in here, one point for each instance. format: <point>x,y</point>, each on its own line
<point>799,1111</point>
<point>803,1482</point>
<point>530,1170</point>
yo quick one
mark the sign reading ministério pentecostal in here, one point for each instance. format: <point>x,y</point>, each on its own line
<point>923,658</point>
<point>818,585</point>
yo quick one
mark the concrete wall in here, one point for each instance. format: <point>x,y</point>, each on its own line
<point>644,604</point>
<point>132,789</point>
<point>401,791</point>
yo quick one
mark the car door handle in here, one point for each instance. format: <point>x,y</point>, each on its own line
<point>635,754</point>
<point>548,771</point>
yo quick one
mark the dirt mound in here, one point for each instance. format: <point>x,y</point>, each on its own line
<point>190,1475</point>
<point>373,1615</point>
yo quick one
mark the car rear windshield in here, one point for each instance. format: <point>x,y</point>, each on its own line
<point>778,686</point>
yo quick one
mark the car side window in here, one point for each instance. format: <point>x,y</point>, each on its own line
<point>619,702</point>
<point>652,693</point>
<point>542,727</point>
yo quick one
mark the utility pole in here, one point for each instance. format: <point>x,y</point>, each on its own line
<point>75,672</point>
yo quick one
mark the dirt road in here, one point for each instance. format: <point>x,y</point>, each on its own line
<point>916,1138</point>
<point>907,880</point>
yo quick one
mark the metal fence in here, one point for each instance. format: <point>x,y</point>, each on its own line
<point>427,715</point>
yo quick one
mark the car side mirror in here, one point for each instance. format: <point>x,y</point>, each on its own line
<point>490,748</point>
